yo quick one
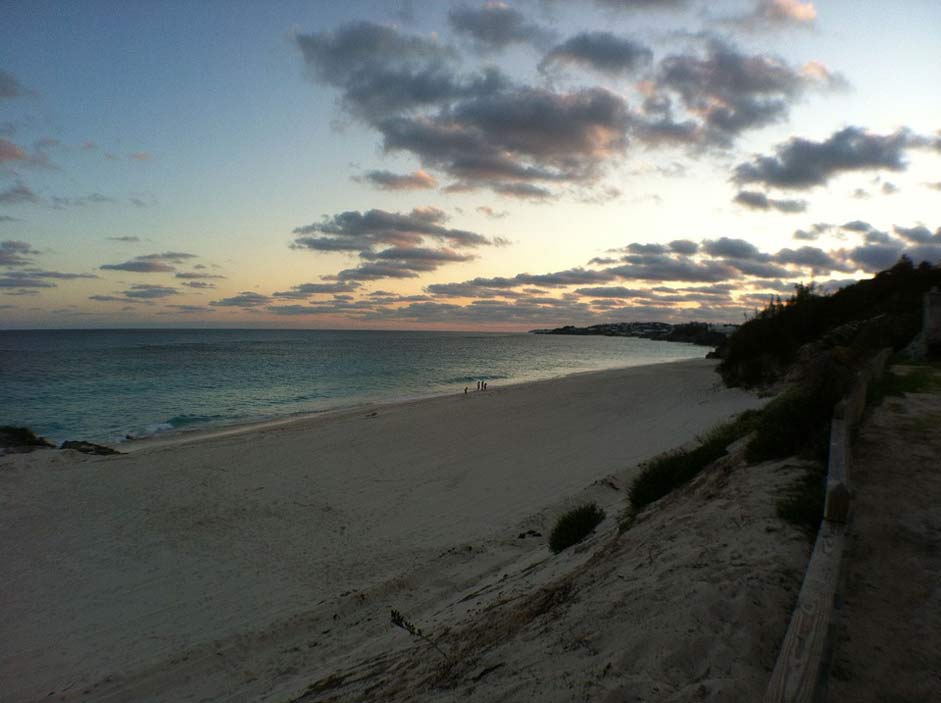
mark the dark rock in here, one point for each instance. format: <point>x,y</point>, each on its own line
<point>21,439</point>
<point>89,448</point>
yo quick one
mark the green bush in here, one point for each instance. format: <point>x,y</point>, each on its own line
<point>574,526</point>
<point>669,471</point>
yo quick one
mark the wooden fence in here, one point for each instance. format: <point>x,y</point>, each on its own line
<point>799,675</point>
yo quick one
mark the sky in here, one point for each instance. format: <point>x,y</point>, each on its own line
<point>458,165</point>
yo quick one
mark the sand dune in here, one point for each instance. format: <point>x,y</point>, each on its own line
<point>244,564</point>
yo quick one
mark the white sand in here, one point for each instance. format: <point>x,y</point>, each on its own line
<point>247,565</point>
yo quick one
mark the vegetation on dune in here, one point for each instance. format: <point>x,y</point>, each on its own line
<point>669,471</point>
<point>762,349</point>
<point>803,502</point>
<point>574,526</point>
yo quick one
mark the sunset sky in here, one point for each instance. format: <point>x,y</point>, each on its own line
<point>465,165</point>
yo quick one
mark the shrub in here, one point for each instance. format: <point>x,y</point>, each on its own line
<point>803,503</point>
<point>669,471</point>
<point>574,526</point>
<point>797,422</point>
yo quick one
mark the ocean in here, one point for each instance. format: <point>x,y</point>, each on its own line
<point>111,385</point>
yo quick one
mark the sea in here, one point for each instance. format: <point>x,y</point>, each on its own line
<point>115,385</point>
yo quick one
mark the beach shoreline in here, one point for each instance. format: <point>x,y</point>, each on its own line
<point>196,434</point>
<point>190,558</point>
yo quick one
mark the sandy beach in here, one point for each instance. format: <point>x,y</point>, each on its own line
<point>249,563</point>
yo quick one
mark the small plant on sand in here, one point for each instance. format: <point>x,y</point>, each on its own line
<point>574,526</point>
<point>399,620</point>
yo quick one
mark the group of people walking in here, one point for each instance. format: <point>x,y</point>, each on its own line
<point>481,386</point>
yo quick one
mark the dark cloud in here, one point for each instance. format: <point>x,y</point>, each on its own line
<point>7,218</point>
<point>245,299</point>
<point>139,266</point>
<point>889,188</point>
<point>728,248</point>
<point>875,257</point>
<point>523,191</point>
<point>856,226</point>
<point>601,51</point>
<point>801,163</point>
<point>612,292</point>
<point>195,275</point>
<point>665,268</point>
<point>381,71</point>
<point>684,246</point>
<point>422,255</point>
<point>919,234</point>
<point>142,291</point>
<point>124,239</point>
<point>384,269</point>
<point>759,201</point>
<point>305,290</point>
<point>58,275</point>
<point>152,263</point>
<point>16,253</point>
<point>10,87</point>
<point>495,26</point>
<point>188,309</point>
<point>15,280</point>
<point>528,135</point>
<point>729,91</point>
<point>386,180</point>
<point>18,193</point>
<point>816,259</point>
<point>363,231</point>
<point>199,284</point>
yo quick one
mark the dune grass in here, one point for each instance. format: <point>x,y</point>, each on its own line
<point>574,526</point>
<point>669,471</point>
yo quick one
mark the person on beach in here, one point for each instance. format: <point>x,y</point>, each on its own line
<point>465,390</point>
<point>478,385</point>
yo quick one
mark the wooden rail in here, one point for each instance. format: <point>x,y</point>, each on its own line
<point>800,672</point>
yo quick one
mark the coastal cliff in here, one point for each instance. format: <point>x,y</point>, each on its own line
<point>700,333</point>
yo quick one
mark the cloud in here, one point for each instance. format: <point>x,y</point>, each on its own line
<point>128,238</point>
<point>10,87</point>
<point>856,226</point>
<point>18,193</point>
<point>380,70</point>
<point>776,14</point>
<point>91,199</point>
<point>386,180</point>
<point>617,292</point>
<point>140,265</point>
<point>643,4</point>
<point>816,259</point>
<point>15,280</point>
<point>305,290</point>
<point>531,134</point>
<point>8,218</point>
<point>495,26</point>
<point>684,246</point>
<point>199,284</point>
<point>142,291</point>
<point>363,231</point>
<point>875,257</point>
<point>800,164</point>
<point>139,156</point>
<point>759,201</point>
<point>195,275</point>
<point>726,90</point>
<point>919,234</point>
<point>728,248</point>
<point>11,152</point>
<point>15,253</point>
<point>523,191</point>
<point>245,299</point>
<point>490,212</point>
<point>600,51</point>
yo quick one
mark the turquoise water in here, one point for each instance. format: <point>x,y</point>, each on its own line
<point>106,385</point>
